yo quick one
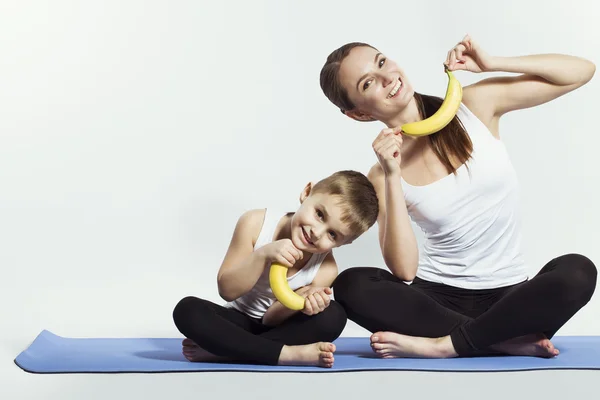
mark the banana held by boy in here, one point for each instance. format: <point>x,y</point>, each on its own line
<point>281,288</point>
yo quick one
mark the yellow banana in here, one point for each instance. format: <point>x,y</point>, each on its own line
<point>443,115</point>
<point>281,288</point>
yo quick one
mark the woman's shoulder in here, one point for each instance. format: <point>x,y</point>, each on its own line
<point>376,174</point>
<point>476,104</point>
<point>375,170</point>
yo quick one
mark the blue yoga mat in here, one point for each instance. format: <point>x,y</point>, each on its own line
<point>50,353</point>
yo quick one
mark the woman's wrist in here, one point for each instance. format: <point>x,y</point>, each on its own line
<point>499,64</point>
<point>394,173</point>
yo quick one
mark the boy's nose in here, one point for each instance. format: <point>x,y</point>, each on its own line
<point>316,233</point>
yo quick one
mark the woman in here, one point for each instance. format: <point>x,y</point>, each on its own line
<point>470,292</point>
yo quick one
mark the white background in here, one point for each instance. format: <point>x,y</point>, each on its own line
<point>134,133</point>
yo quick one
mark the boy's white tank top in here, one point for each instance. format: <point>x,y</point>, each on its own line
<point>258,300</point>
<point>471,221</point>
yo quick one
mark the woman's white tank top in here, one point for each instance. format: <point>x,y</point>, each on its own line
<point>471,221</point>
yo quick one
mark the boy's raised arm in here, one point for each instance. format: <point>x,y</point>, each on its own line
<point>242,266</point>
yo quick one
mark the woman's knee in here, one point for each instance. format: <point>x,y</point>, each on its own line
<point>581,275</point>
<point>349,282</point>
<point>185,308</point>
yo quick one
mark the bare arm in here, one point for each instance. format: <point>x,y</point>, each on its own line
<point>327,273</point>
<point>543,78</point>
<point>396,237</point>
<point>242,266</point>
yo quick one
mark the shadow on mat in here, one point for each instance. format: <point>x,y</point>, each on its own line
<point>161,355</point>
<point>171,356</point>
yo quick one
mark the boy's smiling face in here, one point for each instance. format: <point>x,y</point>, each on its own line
<point>317,226</point>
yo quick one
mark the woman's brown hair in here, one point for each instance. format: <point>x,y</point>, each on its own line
<point>450,144</point>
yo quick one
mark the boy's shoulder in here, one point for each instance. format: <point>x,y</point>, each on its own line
<point>253,219</point>
<point>253,216</point>
<point>251,222</point>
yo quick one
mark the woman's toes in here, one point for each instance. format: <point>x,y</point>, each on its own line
<point>187,342</point>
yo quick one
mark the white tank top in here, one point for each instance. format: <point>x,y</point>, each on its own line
<point>471,221</point>
<point>256,302</point>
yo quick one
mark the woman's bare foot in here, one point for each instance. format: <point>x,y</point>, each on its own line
<point>395,345</point>
<point>195,353</point>
<point>530,345</point>
<point>318,354</point>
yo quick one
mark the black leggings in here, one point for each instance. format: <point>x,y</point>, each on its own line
<point>475,319</point>
<point>230,333</point>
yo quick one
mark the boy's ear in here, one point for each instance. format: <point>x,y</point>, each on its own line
<point>359,116</point>
<point>305,192</point>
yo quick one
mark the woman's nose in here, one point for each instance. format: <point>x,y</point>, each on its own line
<point>387,79</point>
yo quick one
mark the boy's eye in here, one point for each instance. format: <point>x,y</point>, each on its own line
<point>332,235</point>
<point>319,214</point>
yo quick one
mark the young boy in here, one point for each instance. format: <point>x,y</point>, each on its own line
<point>253,326</point>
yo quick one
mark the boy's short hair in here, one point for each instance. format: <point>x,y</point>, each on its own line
<point>358,198</point>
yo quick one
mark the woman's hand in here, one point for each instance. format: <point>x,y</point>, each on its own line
<point>387,146</point>
<point>468,56</point>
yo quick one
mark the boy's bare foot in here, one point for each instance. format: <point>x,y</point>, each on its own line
<point>318,354</point>
<point>395,345</point>
<point>195,353</point>
<point>530,345</point>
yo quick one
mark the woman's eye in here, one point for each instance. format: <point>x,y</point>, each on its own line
<point>366,85</point>
<point>381,62</point>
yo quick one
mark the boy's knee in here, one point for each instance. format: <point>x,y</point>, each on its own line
<point>333,321</point>
<point>338,315</point>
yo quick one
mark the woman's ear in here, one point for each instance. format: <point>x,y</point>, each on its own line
<point>359,116</point>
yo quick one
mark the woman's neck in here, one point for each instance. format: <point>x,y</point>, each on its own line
<point>409,114</point>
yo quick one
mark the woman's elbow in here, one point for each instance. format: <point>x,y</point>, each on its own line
<point>592,71</point>
<point>407,276</point>
<point>402,271</point>
<point>588,72</point>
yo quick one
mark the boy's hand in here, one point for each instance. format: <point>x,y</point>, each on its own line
<point>282,252</point>
<point>317,299</point>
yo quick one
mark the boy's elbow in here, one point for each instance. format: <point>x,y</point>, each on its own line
<point>225,294</point>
